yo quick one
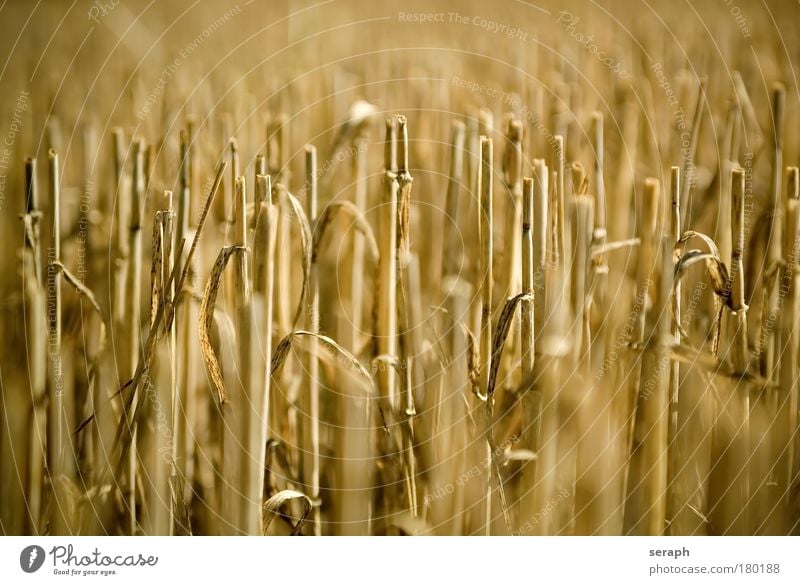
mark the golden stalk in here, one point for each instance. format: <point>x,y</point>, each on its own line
<point>785,424</point>
<point>311,456</point>
<point>62,456</point>
<point>352,503</point>
<point>386,329</point>
<point>647,500</point>
<point>43,350</point>
<point>451,262</point>
<point>485,231</point>
<point>264,245</point>
<point>134,313</point>
<point>643,419</point>
<point>675,497</point>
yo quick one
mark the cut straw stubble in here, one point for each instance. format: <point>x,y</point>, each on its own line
<point>450,260</point>
<point>63,472</point>
<point>412,374</point>
<point>186,351</point>
<point>764,402</point>
<point>531,400</point>
<point>264,274</point>
<point>540,422</point>
<point>486,224</point>
<point>134,334</point>
<point>731,433</point>
<point>311,389</point>
<point>386,330</point>
<point>121,186</point>
<point>785,414</point>
<point>643,419</point>
<point>352,503</point>
<point>43,354</point>
<point>647,495</point>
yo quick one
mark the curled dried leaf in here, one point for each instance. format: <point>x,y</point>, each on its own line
<point>360,223</point>
<point>404,212</point>
<point>473,362</point>
<point>715,268</point>
<point>602,249</point>
<point>207,315</point>
<point>390,360</point>
<point>156,266</point>
<point>80,288</point>
<point>499,339</point>
<point>305,245</point>
<point>282,351</point>
<point>400,368</point>
<point>272,508</point>
<point>519,455</point>
<point>689,235</point>
<point>718,273</point>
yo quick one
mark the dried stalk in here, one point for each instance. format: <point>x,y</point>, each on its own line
<point>352,504</point>
<point>386,329</point>
<point>675,497</point>
<point>122,226</point>
<point>134,312</point>
<point>638,476</point>
<point>485,225</point>
<point>59,438</point>
<point>584,221</point>
<point>527,310</point>
<point>646,505</point>
<point>731,444</point>
<point>265,244</point>
<point>185,355</point>
<point>311,461</point>
<point>405,341</point>
<point>785,414</point>
<point>687,168</point>
<point>599,238</point>
<point>451,261</point>
<point>43,354</point>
